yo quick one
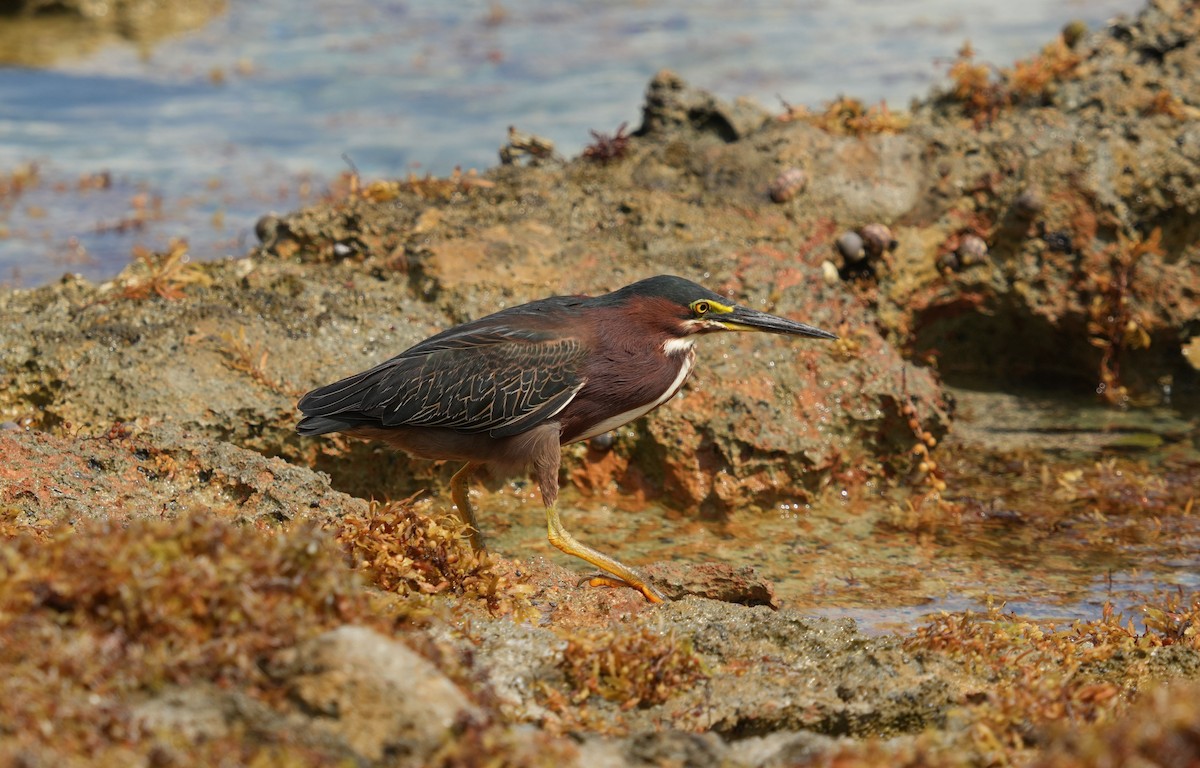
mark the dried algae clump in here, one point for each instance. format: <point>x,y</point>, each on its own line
<point>1109,284</point>
<point>184,595</point>
<point>635,667</point>
<point>428,187</point>
<point>985,91</point>
<point>606,148</point>
<point>401,550</point>
<point>1161,728</point>
<point>163,275</point>
<point>95,617</point>
<point>846,116</point>
<point>1037,679</point>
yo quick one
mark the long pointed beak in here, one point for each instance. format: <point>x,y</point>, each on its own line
<point>746,319</point>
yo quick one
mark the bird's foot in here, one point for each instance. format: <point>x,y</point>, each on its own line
<point>604,580</point>
<point>476,539</point>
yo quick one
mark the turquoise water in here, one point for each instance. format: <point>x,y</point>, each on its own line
<point>203,133</point>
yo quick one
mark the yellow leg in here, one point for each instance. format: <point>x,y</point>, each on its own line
<point>462,499</point>
<point>623,574</point>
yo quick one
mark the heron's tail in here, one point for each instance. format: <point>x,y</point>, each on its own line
<point>337,406</point>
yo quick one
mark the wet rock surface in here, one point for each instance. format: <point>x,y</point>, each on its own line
<point>207,586</point>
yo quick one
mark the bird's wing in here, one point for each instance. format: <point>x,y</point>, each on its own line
<point>502,381</point>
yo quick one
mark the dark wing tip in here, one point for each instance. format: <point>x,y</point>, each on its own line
<point>320,425</point>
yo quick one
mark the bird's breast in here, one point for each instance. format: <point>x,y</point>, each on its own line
<point>614,402</point>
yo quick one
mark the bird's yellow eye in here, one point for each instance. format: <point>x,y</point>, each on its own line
<point>700,307</point>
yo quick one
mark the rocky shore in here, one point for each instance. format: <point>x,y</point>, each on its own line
<point>184,580</point>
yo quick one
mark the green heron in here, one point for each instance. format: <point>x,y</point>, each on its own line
<point>508,390</point>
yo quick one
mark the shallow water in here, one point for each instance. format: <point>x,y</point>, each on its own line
<point>201,134</point>
<point>1015,531</point>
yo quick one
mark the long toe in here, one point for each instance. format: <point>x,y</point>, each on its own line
<point>604,580</point>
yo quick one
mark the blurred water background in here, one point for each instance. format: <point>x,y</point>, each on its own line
<point>198,134</point>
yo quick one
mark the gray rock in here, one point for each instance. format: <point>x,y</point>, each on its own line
<point>193,713</point>
<point>517,656</point>
<point>377,694</point>
<point>672,104</point>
